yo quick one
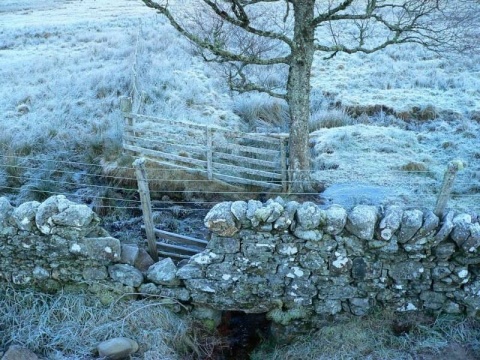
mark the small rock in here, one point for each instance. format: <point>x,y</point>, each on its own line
<point>117,348</point>
<point>16,352</point>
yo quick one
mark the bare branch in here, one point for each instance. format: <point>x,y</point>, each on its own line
<point>243,21</point>
<point>238,81</point>
<point>215,49</point>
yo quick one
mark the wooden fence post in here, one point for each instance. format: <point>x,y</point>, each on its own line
<point>209,153</point>
<point>448,179</point>
<point>126,107</point>
<point>283,164</point>
<point>144,192</point>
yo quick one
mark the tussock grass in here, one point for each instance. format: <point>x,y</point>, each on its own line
<point>373,337</point>
<point>69,326</point>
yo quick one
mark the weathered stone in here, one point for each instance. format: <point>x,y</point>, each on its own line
<point>339,264</point>
<point>336,219</point>
<point>285,317</point>
<point>95,273</point>
<point>287,249</point>
<point>336,292</point>
<point>461,229</point>
<point>472,244</point>
<point>359,306</point>
<point>445,230</point>
<point>440,272</point>
<point>178,293</point>
<point>126,274</point>
<point>313,261</point>
<point>117,348</point>
<point>445,250</point>
<point>221,221</point>
<point>391,247</point>
<point>206,257</point>
<point>40,273</point>
<point>269,213</point>
<point>57,213</point>
<point>412,221</point>
<point>239,210</point>
<point>328,307</point>
<point>190,271</point>
<point>288,216</point>
<point>105,248</point>
<point>361,221</point>
<point>6,210</point>
<point>408,270</point>
<point>359,268</point>
<point>24,215</point>
<point>211,317</point>
<point>16,352</point>
<point>309,216</point>
<point>252,207</point>
<point>430,225</point>
<point>308,235</point>
<point>129,254</point>
<point>354,245</point>
<point>224,245</point>
<point>390,223</point>
<point>200,285</point>
<point>143,261</point>
<point>432,300</point>
<point>163,272</point>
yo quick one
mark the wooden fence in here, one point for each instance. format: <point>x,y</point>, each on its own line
<point>217,153</point>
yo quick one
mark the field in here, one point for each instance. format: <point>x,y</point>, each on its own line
<point>384,126</point>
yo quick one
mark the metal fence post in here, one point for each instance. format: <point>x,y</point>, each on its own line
<point>144,192</point>
<point>448,179</point>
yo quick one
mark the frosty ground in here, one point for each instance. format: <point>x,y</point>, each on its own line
<point>64,64</point>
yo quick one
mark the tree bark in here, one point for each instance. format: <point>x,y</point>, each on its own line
<point>298,95</point>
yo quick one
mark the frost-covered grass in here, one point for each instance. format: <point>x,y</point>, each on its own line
<point>69,326</point>
<point>378,336</point>
<point>64,64</point>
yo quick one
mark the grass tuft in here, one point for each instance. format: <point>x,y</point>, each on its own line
<point>69,326</point>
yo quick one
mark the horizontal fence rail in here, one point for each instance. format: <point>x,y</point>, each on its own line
<point>217,153</point>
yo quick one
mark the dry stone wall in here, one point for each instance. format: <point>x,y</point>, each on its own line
<point>296,262</point>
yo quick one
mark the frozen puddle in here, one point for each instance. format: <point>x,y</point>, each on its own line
<point>350,194</point>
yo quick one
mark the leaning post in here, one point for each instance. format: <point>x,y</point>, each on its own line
<point>126,108</point>
<point>453,167</point>
<point>283,163</point>
<point>144,192</point>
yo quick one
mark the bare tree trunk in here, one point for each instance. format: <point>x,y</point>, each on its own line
<point>298,95</point>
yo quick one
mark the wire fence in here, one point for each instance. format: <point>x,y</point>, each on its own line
<point>40,177</point>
